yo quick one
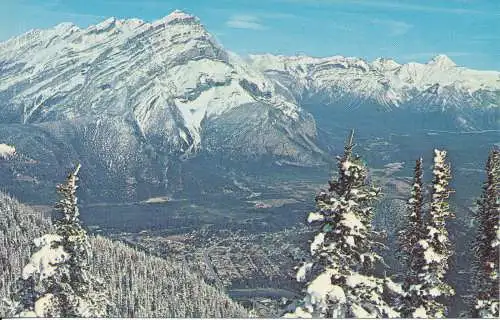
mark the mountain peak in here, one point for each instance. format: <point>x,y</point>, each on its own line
<point>65,26</point>
<point>179,12</point>
<point>442,60</point>
<point>178,16</point>
<point>104,25</point>
<point>385,64</point>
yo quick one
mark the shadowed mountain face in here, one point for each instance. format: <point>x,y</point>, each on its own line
<point>134,102</point>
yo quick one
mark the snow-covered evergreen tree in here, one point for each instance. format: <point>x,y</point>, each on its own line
<point>56,282</point>
<point>487,244</point>
<point>342,284</point>
<point>409,237</point>
<point>409,247</point>
<point>428,288</point>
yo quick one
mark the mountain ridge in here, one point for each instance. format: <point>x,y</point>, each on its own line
<point>383,80</point>
<point>134,100</point>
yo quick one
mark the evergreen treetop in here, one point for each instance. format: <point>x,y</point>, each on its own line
<point>486,264</point>
<point>434,249</point>
<point>57,280</point>
<point>342,283</point>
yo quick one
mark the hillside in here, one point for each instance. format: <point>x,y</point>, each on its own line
<point>139,285</point>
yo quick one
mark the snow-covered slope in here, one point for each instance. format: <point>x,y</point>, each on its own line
<point>150,276</point>
<point>168,78</point>
<point>440,82</point>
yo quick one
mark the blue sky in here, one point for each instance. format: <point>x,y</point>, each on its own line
<point>466,30</point>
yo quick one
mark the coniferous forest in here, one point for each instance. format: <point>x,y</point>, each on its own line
<point>59,270</point>
<point>131,283</point>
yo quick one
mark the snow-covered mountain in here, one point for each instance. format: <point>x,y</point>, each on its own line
<point>132,100</point>
<point>440,82</point>
<point>168,78</point>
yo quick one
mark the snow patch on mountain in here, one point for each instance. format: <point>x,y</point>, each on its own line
<point>6,151</point>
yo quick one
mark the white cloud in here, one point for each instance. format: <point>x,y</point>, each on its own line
<point>396,28</point>
<point>245,22</point>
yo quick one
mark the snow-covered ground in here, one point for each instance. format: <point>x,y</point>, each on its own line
<point>6,151</point>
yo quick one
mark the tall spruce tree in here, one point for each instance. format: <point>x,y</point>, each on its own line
<point>342,283</point>
<point>412,255</point>
<point>432,252</point>
<point>409,237</point>
<point>487,244</point>
<point>57,282</point>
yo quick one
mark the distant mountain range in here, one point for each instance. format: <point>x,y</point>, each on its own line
<point>438,83</point>
<point>133,100</point>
